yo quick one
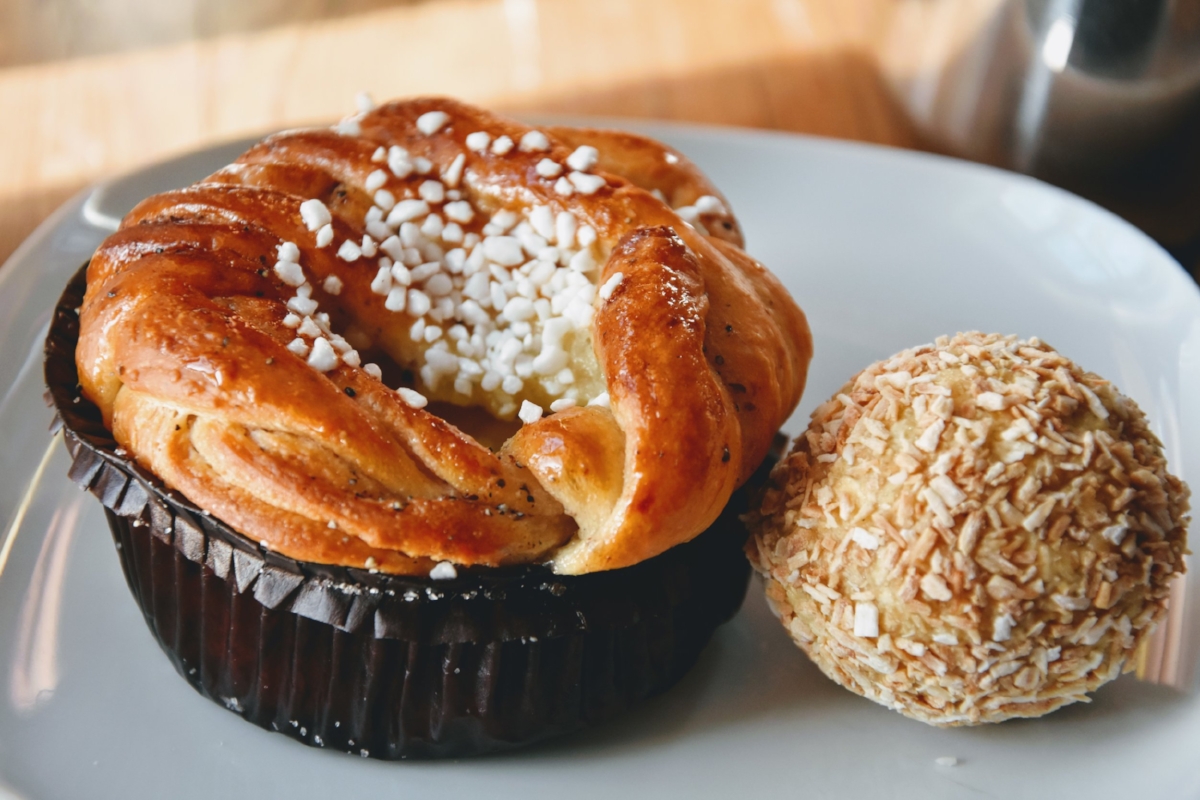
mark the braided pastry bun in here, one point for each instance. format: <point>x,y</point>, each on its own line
<point>326,343</point>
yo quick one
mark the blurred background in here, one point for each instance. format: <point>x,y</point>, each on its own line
<point>1099,96</point>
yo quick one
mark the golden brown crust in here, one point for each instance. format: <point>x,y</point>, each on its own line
<point>972,531</point>
<point>660,300</point>
<point>661,170</point>
<point>184,324</point>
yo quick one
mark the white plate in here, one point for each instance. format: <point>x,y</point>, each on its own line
<point>884,249</point>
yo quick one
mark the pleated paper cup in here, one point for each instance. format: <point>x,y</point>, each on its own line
<point>392,666</point>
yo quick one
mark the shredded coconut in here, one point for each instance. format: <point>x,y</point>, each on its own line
<point>864,538</point>
<point>866,620</point>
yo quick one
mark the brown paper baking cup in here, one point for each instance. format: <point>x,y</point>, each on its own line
<point>392,666</point>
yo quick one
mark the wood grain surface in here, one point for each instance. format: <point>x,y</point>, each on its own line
<point>799,65</point>
<point>855,69</point>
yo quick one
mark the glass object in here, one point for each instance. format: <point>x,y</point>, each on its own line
<point>1101,97</point>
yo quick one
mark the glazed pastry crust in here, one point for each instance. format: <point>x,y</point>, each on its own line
<point>183,348</point>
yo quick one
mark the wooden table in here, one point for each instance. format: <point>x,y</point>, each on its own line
<point>800,65</point>
<point>842,68</point>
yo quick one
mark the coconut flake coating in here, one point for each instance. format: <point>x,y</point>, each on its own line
<point>972,531</point>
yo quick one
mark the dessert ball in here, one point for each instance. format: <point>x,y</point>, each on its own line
<point>972,530</point>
